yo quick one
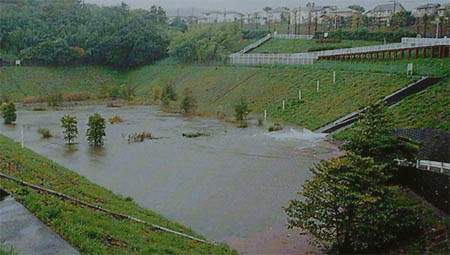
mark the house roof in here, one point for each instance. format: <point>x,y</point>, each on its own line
<point>320,8</point>
<point>428,6</point>
<point>280,9</point>
<point>386,7</point>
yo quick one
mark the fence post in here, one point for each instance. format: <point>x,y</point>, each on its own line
<point>22,138</point>
<point>318,85</point>
<point>299,95</point>
<point>334,77</point>
<point>283,105</point>
<point>265,115</point>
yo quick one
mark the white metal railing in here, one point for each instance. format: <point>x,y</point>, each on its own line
<point>269,59</point>
<point>288,36</point>
<point>412,40</point>
<point>310,57</point>
<point>429,165</point>
<point>255,44</point>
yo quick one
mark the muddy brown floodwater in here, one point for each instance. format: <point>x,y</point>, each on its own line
<point>230,186</point>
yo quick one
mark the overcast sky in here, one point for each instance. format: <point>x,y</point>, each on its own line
<point>252,5</point>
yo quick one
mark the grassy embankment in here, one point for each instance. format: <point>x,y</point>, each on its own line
<point>90,231</point>
<point>427,109</point>
<point>278,45</point>
<point>218,88</point>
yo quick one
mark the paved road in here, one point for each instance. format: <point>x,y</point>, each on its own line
<point>27,234</point>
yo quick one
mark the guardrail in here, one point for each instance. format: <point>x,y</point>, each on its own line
<point>254,45</point>
<point>430,165</point>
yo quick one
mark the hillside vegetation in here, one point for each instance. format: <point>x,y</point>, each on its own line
<point>90,231</point>
<point>427,109</point>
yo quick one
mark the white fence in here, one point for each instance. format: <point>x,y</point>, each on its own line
<point>309,58</point>
<point>431,165</point>
<point>420,41</point>
<point>299,37</point>
<point>269,59</point>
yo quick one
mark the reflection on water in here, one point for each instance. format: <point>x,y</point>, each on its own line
<point>232,183</point>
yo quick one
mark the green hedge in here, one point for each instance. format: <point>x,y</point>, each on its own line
<point>364,34</point>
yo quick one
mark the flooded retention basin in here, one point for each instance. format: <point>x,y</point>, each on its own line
<point>231,184</point>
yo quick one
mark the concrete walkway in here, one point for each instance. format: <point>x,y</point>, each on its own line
<point>27,234</point>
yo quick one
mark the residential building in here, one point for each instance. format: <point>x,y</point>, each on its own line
<point>382,14</point>
<point>426,9</point>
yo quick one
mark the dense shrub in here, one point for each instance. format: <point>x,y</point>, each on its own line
<point>241,110</point>
<point>328,40</point>
<point>44,132</point>
<point>254,34</point>
<point>205,44</point>
<point>364,34</point>
<point>189,103</point>
<point>71,32</point>
<point>9,113</point>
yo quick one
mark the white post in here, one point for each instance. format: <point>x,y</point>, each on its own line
<point>334,77</point>
<point>22,138</point>
<point>265,115</point>
<point>417,164</point>
<point>299,95</point>
<point>283,105</point>
<point>318,86</point>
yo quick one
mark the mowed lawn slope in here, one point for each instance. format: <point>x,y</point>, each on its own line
<point>427,109</point>
<point>90,231</point>
<point>218,88</point>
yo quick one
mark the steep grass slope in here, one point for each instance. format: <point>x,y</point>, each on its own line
<point>218,88</point>
<point>427,109</point>
<point>90,231</point>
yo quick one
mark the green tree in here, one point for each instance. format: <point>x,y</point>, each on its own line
<point>372,137</point>
<point>348,209</point>
<point>168,94</point>
<point>69,123</point>
<point>96,130</point>
<point>189,103</point>
<point>9,113</point>
<point>241,110</point>
<point>179,25</point>
<point>205,43</point>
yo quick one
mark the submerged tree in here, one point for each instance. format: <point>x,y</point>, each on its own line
<point>69,123</point>
<point>348,209</point>
<point>96,130</point>
<point>9,113</point>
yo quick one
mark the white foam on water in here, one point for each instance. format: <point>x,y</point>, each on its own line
<point>292,133</point>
